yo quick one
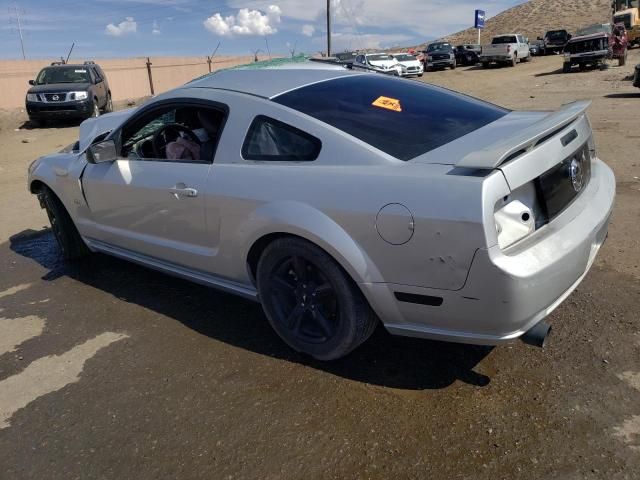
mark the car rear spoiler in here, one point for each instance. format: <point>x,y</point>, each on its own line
<point>522,141</point>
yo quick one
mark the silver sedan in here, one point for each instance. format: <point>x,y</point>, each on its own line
<point>340,199</point>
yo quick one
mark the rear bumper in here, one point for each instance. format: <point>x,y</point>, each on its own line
<point>495,58</point>
<point>506,293</point>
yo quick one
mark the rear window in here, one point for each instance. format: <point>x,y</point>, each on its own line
<point>501,40</point>
<point>400,117</point>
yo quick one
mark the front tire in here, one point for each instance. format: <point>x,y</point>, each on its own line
<point>566,67</point>
<point>95,112</point>
<point>71,244</point>
<point>108,106</point>
<point>310,301</point>
<point>453,65</point>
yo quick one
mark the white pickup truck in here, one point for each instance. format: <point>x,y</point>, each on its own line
<point>506,49</point>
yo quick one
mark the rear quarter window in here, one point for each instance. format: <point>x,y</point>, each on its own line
<point>272,140</point>
<point>403,118</point>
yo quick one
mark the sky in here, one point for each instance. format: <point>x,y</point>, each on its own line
<point>124,28</point>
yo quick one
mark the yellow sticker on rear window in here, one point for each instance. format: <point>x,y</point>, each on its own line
<point>388,103</point>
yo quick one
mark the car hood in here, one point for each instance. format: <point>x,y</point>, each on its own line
<point>91,128</point>
<point>593,36</point>
<point>488,147</point>
<point>59,87</point>
<point>383,63</point>
<point>410,63</point>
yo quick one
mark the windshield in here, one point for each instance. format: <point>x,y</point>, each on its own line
<point>404,58</point>
<point>626,19</point>
<point>597,28</point>
<point>402,119</point>
<point>501,40</point>
<point>377,58</point>
<point>63,75</point>
<point>439,47</point>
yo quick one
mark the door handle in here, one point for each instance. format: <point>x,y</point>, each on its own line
<point>183,192</point>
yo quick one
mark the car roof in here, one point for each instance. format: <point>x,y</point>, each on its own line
<point>269,82</point>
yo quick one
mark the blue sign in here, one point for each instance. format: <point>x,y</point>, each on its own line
<point>480,16</point>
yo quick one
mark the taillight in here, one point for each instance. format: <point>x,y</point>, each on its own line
<point>508,48</point>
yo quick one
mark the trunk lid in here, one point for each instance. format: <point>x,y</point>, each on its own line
<point>522,144</point>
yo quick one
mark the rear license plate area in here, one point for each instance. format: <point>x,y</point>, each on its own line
<point>560,185</point>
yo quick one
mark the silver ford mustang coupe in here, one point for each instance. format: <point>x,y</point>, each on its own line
<point>337,199</point>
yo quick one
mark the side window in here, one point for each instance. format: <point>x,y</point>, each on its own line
<point>184,133</point>
<point>272,140</point>
<point>92,75</point>
<point>96,74</point>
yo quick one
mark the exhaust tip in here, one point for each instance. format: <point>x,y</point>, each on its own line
<point>537,335</point>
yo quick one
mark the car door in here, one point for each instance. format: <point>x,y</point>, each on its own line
<point>146,204</point>
<point>523,48</point>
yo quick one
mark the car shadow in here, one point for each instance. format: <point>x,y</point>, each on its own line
<point>28,125</point>
<point>557,71</point>
<point>623,95</point>
<point>384,360</point>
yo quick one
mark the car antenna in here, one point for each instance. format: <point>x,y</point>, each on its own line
<point>70,50</point>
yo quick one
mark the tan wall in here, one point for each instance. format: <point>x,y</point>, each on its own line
<point>127,77</point>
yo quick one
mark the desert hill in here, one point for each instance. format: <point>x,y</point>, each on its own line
<point>535,17</point>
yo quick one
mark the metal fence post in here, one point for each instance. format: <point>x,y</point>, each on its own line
<point>209,62</point>
<point>150,76</point>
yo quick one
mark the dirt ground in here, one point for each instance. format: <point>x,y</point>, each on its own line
<point>111,371</point>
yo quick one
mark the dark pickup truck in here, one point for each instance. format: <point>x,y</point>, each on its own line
<point>68,91</point>
<point>554,41</point>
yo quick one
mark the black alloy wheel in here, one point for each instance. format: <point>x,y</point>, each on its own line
<point>310,301</point>
<point>306,299</point>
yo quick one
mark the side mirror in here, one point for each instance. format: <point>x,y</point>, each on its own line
<point>569,37</point>
<point>102,152</point>
<point>32,82</point>
<point>539,38</point>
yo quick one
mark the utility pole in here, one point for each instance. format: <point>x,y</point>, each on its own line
<point>15,7</point>
<point>328,28</point>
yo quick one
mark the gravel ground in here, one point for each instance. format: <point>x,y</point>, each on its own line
<point>109,370</point>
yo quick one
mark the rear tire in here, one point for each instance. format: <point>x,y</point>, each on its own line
<point>310,301</point>
<point>71,244</point>
<point>485,64</point>
<point>514,61</point>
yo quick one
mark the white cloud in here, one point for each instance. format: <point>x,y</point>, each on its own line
<point>430,19</point>
<point>350,41</point>
<point>155,29</point>
<point>308,30</point>
<point>245,22</point>
<point>128,25</point>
